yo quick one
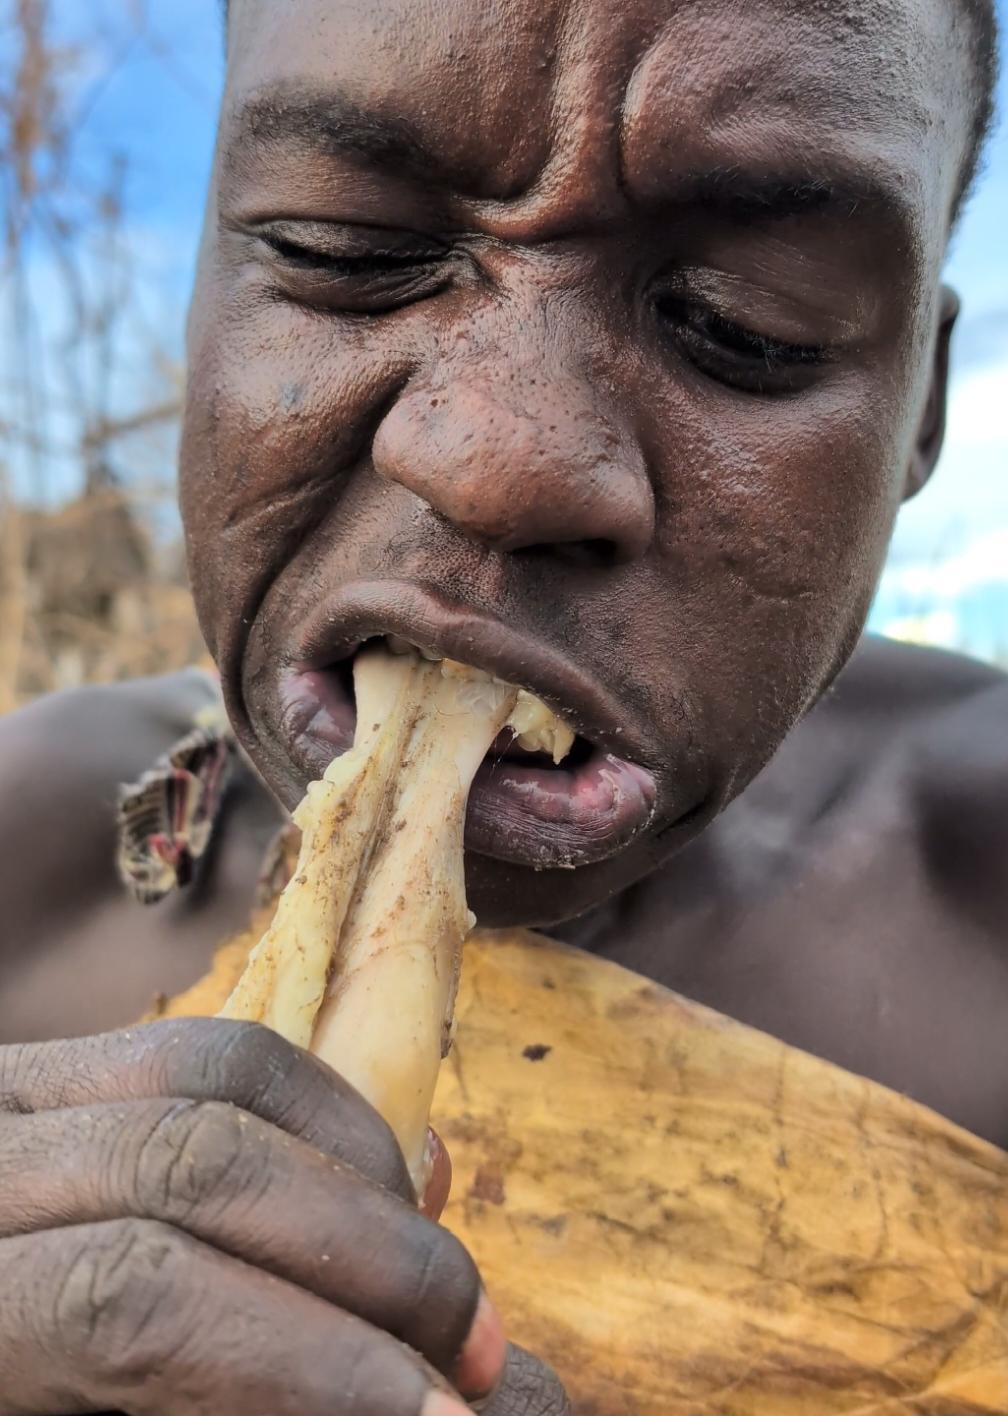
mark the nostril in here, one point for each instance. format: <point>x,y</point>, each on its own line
<point>593,553</point>
<point>598,552</point>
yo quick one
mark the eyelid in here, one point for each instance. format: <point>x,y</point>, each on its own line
<point>764,345</point>
<point>769,368</point>
<point>798,317</point>
<point>349,241</point>
<point>352,277</point>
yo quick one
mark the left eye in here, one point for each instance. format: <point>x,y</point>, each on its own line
<point>355,272</point>
<point>735,355</point>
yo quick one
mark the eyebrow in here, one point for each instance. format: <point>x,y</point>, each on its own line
<point>742,197</point>
<point>330,123</point>
<point>333,124</point>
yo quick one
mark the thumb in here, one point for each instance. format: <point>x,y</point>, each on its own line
<point>435,1197</point>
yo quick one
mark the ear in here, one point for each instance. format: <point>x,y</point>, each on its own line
<point>931,432</point>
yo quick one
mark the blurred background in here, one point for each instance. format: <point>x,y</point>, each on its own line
<point>107,111</point>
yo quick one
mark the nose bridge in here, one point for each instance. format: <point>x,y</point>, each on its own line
<point>511,438</point>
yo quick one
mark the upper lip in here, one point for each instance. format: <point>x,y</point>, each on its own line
<point>427,619</point>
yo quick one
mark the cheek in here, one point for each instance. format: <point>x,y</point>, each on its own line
<point>793,500</point>
<point>774,518</point>
<point>280,409</point>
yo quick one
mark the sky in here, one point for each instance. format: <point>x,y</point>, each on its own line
<point>154,97</point>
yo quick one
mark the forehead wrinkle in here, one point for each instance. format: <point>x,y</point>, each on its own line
<point>725,83</point>
<point>727,76</point>
<point>578,184</point>
<point>718,94</point>
<point>745,158</point>
<point>469,78</point>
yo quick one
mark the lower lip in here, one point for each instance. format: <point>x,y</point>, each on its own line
<point>547,818</point>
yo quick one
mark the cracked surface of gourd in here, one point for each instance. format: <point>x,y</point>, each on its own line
<point>689,1218</point>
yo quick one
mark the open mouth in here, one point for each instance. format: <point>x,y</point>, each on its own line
<point>547,798</point>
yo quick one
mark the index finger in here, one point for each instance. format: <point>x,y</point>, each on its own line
<point>209,1059</point>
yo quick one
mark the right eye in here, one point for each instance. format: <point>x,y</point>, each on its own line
<point>354,269</point>
<point>735,355</point>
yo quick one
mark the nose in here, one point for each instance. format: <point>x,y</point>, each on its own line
<point>521,458</point>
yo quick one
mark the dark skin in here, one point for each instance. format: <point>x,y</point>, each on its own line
<point>620,402</point>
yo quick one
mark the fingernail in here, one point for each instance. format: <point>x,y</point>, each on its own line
<point>484,1356</point>
<point>439,1185</point>
<point>438,1403</point>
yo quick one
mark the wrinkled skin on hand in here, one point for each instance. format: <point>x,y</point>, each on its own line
<point>195,1216</point>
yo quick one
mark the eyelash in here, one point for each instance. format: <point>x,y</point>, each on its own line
<point>374,281</point>
<point>375,262</point>
<point>736,355</point>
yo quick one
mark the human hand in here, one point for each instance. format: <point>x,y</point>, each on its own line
<point>197,1216</point>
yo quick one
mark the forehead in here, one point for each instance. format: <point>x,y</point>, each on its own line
<point>510,93</point>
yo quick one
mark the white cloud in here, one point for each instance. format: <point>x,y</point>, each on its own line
<point>978,410</point>
<point>983,562</point>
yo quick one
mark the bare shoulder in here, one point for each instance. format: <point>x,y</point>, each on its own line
<point>909,736</point>
<point>888,679</point>
<point>950,711</point>
<point>923,719</point>
<point>943,719</point>
<point>62,760</point>
<point>151,711</point>
<point>66,917</point>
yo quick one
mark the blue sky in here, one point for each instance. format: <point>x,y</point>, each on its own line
<point>155,96</point>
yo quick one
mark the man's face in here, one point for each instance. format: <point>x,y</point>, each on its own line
<point>587,342</point>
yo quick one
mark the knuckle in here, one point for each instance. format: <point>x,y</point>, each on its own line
<point>255,1068</point>
<point>258,1070</point>
<point>30,1069</point>
<point>216,1057</point>
<point>198,1154</point>
<point>250,1052</point>
<point>117,1305</point>
<point>12,1098</point>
